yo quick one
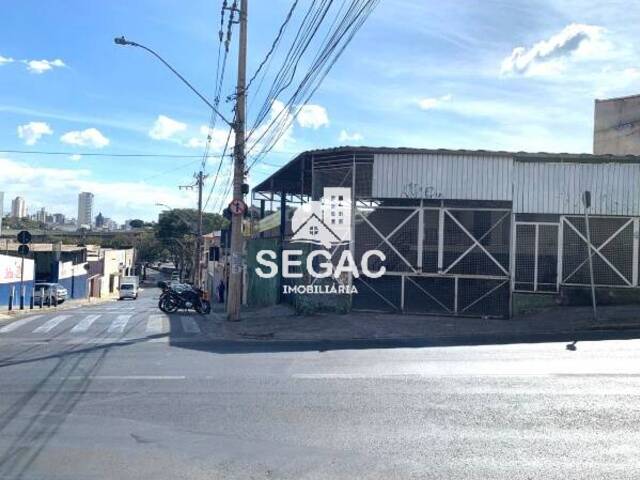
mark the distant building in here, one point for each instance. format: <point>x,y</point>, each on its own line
<point>617,126</point>
<point>58,219</point>
<point>41,215</point>
<point>99,220</point>
<point>85,209</point>
<point>1,210</point>
<point>18,208</point>
<point>110,225</point>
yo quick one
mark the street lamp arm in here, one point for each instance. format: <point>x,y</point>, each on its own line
<point>124,41</point>
<point>184,220</point>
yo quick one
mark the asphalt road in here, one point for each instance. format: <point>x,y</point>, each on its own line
<point>120,391</point>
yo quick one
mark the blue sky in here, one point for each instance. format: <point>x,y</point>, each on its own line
<point>500,75</point>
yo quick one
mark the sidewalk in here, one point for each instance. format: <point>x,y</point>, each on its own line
<point>280,323</point>
<point>6,315</point>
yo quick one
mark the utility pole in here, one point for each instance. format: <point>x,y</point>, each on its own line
<point>197,256</point>
<point>234,298</point>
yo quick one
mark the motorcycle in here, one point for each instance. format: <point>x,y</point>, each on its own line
<point>183,297</point>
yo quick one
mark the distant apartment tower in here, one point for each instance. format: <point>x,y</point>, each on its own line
<point>616,129</point>
<point>58,218</point>
<point>18,208</point>
<point>85,209</point>
<point>41,215</point>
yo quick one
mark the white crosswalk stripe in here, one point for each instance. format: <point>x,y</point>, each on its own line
<point>189,325</point>
<point>18,323</point>
<point>51,324</point>
<point>119,324</point>
<point>84,324</point>
<point>155,324</point>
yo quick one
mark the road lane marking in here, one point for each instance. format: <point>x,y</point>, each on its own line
<point>84,324</point>
<point>119,324</point>
<point>155,324</point>
<point>189,325</point>
<point>127,377</point>
<point>51,324</point>
<point>18,323</point>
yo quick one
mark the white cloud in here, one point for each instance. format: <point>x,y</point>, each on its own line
<point>4,60</point>
<point>430,103</point>
<point>91,137</point>
<point>282,120</point>
<point>575,41</point>
<point>312,116</point>
<point>75,157</point>
<point>36,184</point>
<point>41,66</point>
<point>164,128</point>
<point>350,137</point>
<point>218,139</point>
<point>33,131</point>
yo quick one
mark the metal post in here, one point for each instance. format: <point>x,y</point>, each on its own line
<point>22,282</point>
<point>11,297</point>
<point>197,276</point>
<point>235,276</point>
<point>593,287</point>
<point>262,205</point>
<point>41,296</point>
<point>31,300</point>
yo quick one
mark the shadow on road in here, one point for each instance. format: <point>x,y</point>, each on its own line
<point>34,418</point>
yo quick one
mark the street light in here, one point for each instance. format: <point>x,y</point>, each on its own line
<point>187,222</point>
<point>124,42</point>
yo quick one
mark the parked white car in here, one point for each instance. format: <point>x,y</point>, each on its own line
<point>128,290</point>
<point>53,292</point>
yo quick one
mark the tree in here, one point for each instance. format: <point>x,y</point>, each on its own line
<point>136,223</point>
<point>176,230</point>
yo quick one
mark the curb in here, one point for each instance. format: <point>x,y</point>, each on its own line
<point>444,340</point>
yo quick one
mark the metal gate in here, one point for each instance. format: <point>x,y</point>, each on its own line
<point>536,257</point>
<point>440,260</point>
<point>614,250</point>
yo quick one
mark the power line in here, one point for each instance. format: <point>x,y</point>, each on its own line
<point>215,179</point>
<point>274,44</point>
<point>336,42</point>
<point>220,72</point>
<point>102,154</point>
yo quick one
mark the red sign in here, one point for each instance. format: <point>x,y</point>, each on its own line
<point>237,207</point>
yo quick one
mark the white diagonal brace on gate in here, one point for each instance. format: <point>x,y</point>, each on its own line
<point>483,296</point>
<point>476,243</point>
<point>597,252</point>
<point>387,242</point>
<point>428,294</point>
<point>400,225</point>
<point>611,238</point>
<point>379,294</point>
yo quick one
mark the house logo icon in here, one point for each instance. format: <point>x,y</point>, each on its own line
<point>325,222</point>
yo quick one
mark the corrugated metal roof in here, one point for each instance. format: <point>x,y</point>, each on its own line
<point>290,169</point>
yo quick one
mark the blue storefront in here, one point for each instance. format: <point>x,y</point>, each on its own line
<point>10,272</point>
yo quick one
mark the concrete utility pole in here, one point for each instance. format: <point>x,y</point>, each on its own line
<point>197,255</point>
<point>235,276</point>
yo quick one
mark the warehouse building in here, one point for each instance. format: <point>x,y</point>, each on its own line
<point>465,231</point>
